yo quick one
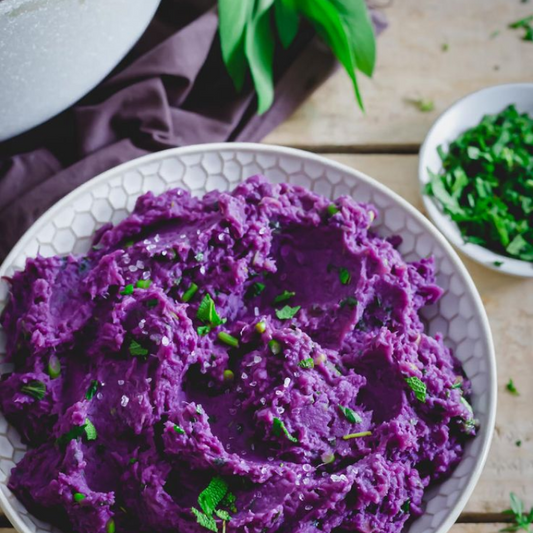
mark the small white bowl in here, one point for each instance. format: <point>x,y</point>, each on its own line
<point>461,116</point>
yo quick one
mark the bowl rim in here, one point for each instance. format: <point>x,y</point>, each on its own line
<point>488,429</point>
<point>479,254</point>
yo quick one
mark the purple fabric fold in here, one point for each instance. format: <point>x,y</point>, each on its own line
<point>171,90</point>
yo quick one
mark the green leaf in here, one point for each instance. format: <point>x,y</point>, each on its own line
<point>287,22</point>
<point>284,296</point>
<point>259,50</point>
<point>279,429</point>
<point>350,415</point>
<point>287,312</point>
<point>137,350</point>
<point>255,289</point>
<point>418,387</point>
<point>90,430</point>
<point>203,330</point>
<point>211,496</point>
<point>307,364</point>
<point>75,433</point>
<point>208,522</point>
<point>91,391</point>
<point>207,312</point>
<point>356,19</point>
<point>232,31</point>
<point>512,388</point>
<point>179,430</point>
<point>35,389</point>
<point>223,515</point>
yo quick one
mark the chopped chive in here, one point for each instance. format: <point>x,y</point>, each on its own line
<point>344,276</point>
<point>34,388</point>
<point>260,327</point>
<point>91,391</point>
<point>279,429</point>
<point>307,363</point>
<point>228,339</point>
<point>143,283</point>
<point>357,435</point>
<point>287,312</point>
<point>79,497</point>
<point>229,375</point>
<point>332,209</point>
<point>110,526</point>
<point>189,293</point>
<point>128,289</point>
<point>137,350</point>
<point>275,346</point>
<point>90,430</point>
<point>53,368</point>
<point>284,296</point>
<point>179,430</point>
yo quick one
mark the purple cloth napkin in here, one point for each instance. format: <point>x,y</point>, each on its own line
<point>171,90</point>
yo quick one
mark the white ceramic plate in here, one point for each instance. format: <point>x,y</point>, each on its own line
<point>461,116</point>
<point>69,225</point>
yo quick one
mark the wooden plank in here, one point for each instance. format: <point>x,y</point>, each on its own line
<point>412,64</point>
<point>509,304</point>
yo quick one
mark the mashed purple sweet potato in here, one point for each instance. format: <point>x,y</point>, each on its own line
<point>252,361</point>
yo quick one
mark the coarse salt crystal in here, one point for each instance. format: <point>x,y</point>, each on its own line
<point>257,359</point>
<point>280,410</point>
<point>244,376</point>
<point>142,323</point>
<point>126,259</point>
<point>301,497</point>
<point>253,384</point>
<point>287,382</point>
<point>132,268</point>
<point>146,274</point>
<point>140,264</point>
<point>256,311</point>
<point>99,395</point>
<point>279,393</point>
<point>165,341</point>
<point>156,238</point>
<point>163,253</point>
<point>124,401</point>
<point>120,382</point>
<point>148,380</point>
<point>140,398</point>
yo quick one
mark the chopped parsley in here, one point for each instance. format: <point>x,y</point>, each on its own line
<point>76,432</point>
<point>344,276</point>
<point>203,330</point>
<point>91,391</point>
<point>307,363</point>
<point>228,339</point>
<point>137,350</point>
<point>406,506</point>
<point>348,301</point>
<point>255,289</point>
<point>512,388</point>
<point>279,429</point>
<point>518,443</point>
<point>207,522</point>
<point>208,500</point>
<point>485,185</point>
<point>350,415</point>
<point>332,209</point>
<point>283,297</point>
<point>34,388</point>
<point>78,497</point>
<point>189,293</point>
<point>522,520</point>
<point>90,430</point>
<point>179,430</point>
<point>143,283</point>
<point>53,369</point>
<point>207,312</point>
<point>357,435</point>
<point>527,25</point>
<point>287,312</point>
<point>128,289</point>
<point>418,387</point>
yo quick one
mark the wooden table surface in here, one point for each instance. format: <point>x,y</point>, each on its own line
<point>384,143</point>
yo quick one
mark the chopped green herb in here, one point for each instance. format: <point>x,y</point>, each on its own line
<point>332,210</point>
<point>497,263</point>
<point>283,297</point>
<point>423,104</point>
<point>518,443</point>
<point>485,185</point>
<point>255,289</point>
<point>308,363</point>
<point>287,312</point>
<point>275,346</point>
<point>327,458</point>
<point>522,520</point>
<point>110,526</point>
<point>189,293</point>
<point>406,506</point>
<point>279,429</point>
<point>458,383</point>
<point>527,25</point>
<point>90,430</point>
<point>357,435</point>
<point>228,339</point>
<point>229,375</point>
<point>211,497</point>
<point>494,34</point>
<point>34,388</point>
<point>260,327</point>
<point>128,289</point>
<point>223,515</point>
<point>152,303</point>
<point>143,283</point>
<point>133,460</point>
<point>207,312</point>
<point>75,433</point>
<point>445,47</point>
<point>512,388</point>
<point>179,430</point>
<point>349,301</point>
<point>344,276</point>
<point>91,391</point>
<point>129,243</point>
<point>350,415</point>
<point>79,497</point>
<point>418,387</point>
<point>54,367</point>
<point>203,330</point>
<point>137,350</point>
<point>208,522</point>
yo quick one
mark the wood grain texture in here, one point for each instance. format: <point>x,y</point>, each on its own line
<point>509,305</point>
<point>412,64</point>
